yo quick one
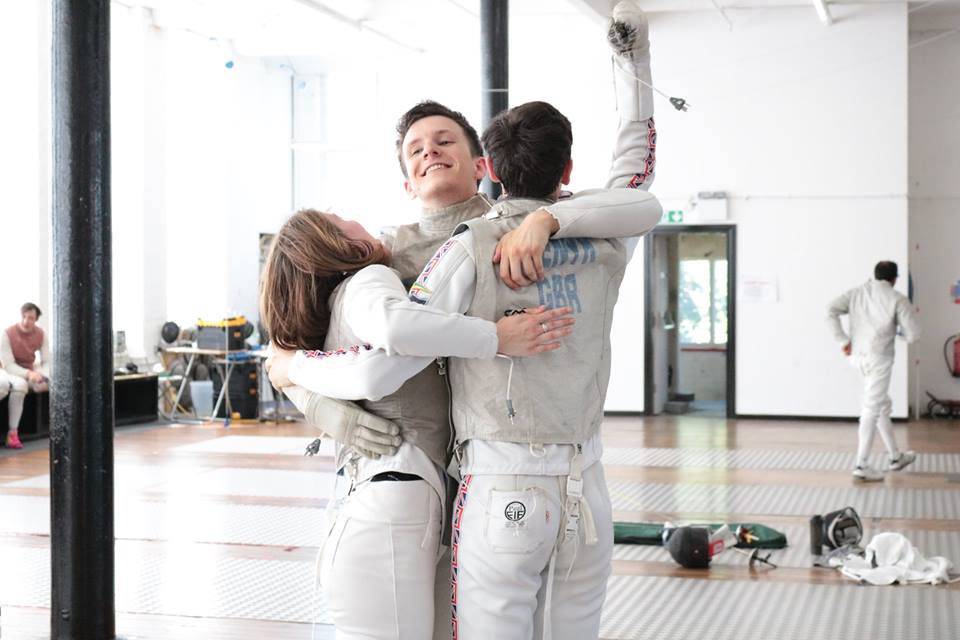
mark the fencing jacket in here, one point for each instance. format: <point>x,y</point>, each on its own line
<point>417,397</point>
<point>421,407</point>
<point>448,283</point>
<point>875,310</point>
<point>418,407</point>
<point>555,397</point>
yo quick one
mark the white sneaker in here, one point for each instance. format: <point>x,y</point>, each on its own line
<point>904,460</point>
<point>867,474</point>
<point>629,30</point>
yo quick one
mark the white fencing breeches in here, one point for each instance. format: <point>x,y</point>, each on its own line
<point>378,565</point>
<point>18,391</point>
<point>877,406</point>
<point>505,530</point>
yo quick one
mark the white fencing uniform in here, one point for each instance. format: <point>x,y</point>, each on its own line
<point>576,569</point>
<point>371,305</point>
<point>875,310</point>
<point>378,564</point>
<point>581,564</point>
<point>579,570</point>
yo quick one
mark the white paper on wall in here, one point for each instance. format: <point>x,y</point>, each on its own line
<point>758,289</point>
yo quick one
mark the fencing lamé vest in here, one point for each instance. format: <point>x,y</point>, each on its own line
<point>557,396</point>
<point>421,407</point>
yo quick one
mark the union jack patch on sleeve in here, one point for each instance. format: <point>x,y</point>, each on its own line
<point>420,292</point>
<point>343,351</point>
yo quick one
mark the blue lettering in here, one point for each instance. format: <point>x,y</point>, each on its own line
<point>548,256</point>
<point>560,291</point>
<point>570,289</point>
<point>589,251</point>
<point>561,250</point>
<point>559,299</point>
<point>543,288</point>
<point>568,251</point>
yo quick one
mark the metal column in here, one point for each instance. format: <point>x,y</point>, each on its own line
<point>495,65</point>
<point>81,396</point>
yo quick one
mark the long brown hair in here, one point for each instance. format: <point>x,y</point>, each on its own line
<point>309,257</point>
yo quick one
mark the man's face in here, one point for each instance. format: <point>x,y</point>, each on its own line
<point>441,170</point>
<point>27,320</point>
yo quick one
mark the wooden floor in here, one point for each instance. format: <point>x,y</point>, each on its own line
<point>214,506</point>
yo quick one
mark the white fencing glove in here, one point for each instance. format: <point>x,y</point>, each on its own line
<point>348,424</point>
<point>629,38</point>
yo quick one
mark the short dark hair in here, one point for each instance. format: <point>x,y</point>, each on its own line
<point>429,108</point>
<point>29,306</point>
<point>885,270</point>
<point>529,147</point>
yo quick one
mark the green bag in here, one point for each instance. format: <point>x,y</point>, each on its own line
<point>650,533</point>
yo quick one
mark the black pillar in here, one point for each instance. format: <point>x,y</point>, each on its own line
<point>81,390</point>
<point>495,64</point>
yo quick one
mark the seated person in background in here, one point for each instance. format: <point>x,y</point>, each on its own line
<point>19,344</point>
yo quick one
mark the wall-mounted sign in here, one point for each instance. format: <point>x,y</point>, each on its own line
<point>758,289</point>
<point>672,216</point>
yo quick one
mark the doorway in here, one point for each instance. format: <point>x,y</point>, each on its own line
<point>689,296</point>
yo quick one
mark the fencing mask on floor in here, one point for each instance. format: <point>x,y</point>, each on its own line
<point>835,529</point>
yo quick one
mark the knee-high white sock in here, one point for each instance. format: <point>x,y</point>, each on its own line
<point>15,410</point>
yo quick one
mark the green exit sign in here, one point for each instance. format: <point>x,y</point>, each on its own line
<point>673,215</point>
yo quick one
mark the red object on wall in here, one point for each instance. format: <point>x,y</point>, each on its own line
<point>956,357</point>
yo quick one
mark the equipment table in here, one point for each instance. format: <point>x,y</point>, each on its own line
<point>224,358</point>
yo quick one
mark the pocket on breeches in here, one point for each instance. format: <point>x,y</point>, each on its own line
<point>328,552</point>
<point>516,521</point>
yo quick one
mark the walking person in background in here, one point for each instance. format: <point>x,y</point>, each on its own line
<point>876,314</point>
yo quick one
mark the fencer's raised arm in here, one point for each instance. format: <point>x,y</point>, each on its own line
<point>635,146</point>
<point>838,307</point>
<point>606,213</point>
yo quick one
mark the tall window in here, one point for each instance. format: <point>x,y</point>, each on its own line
<point>703,302</point>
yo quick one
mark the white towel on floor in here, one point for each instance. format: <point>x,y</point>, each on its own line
<point>891,558</point>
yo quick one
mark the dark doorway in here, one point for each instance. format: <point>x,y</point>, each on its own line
<point>689,298</point>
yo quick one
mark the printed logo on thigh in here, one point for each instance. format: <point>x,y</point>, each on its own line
<point>515,511</point>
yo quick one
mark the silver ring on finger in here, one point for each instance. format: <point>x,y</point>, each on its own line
<point>544,328</point>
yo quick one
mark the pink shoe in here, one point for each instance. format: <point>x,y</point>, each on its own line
<point>13,441</point>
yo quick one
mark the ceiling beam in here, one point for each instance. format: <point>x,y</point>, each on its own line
<point>823,11</point>
<point>359,25</point>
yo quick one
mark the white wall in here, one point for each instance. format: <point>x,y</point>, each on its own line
<point>24,159</point>
<point>201,143</point>
<point>934,191</point>
<point>227,169</point>
<point>805,127</point>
